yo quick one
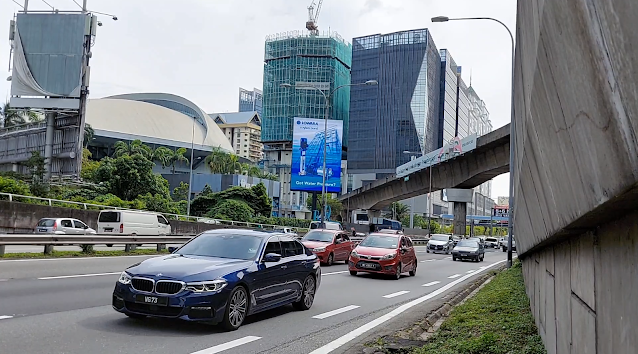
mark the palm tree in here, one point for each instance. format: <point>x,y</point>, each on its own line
<point>12,117</point>
<point>177,156</point>
<point>134,147</point>
<point>163,156</point>
<point>398,211</point>
<point>217,161</point>
<point>234,166</point>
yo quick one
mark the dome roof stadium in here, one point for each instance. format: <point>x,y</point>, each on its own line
<point>126,119</point>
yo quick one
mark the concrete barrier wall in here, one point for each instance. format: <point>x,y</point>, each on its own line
<point>576,179</point>
<point>22,217</point>
<point>583,291</point>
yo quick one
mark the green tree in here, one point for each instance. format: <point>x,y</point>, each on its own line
<point>13,186</point>
<point>398,211</point>
<point>180,192</point>
<point>88,166</point>
<point>130,176</point>
<point>168,157</point>
<point>134,147</point>
<point>335,205</point>
<point>218,161</point>
<point>39,187</point>
<point>12,117</point>
<point>235,210</point>
<point>89,133</point>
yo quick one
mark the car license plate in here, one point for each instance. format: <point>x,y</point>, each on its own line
<point>368,265</point>
<point>42,230</point>
<point>151,300</point>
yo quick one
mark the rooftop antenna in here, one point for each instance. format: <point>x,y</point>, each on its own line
<point>313,17</point>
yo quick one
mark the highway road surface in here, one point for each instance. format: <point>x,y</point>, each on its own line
<point>63,306</point>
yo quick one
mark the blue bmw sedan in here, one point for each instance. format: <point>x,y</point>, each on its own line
<point>221,277</point>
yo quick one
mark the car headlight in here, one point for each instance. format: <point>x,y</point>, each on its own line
<point>125,278</point>
<point>206,286</point>
<point>319,249</point>
<point>354,254</point>
<point>389,256</point>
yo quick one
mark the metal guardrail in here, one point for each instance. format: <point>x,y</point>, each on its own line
<point>49,240</point>
<point>86,206</point>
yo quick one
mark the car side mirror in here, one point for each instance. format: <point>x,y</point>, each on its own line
<point>86,227</point>
<point>172,249</point>
<point>272,257</point>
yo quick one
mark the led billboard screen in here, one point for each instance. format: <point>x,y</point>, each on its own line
<point>307,155</point>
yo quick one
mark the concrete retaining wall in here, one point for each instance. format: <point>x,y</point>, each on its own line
<point>583,291</point>
<point>576,180</point>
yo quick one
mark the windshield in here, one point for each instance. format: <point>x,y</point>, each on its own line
<point>389,242</point>
<point>222,246</point>
<point>109,216</point>
<point>491,239</point>
<point>439,238</point>
<point>466,243</point>
<point>46,222</point>
<point>320,236</point>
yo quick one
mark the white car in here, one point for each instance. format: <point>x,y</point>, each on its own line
<point>440,243</point>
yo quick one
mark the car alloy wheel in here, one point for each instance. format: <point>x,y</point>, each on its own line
<point>236,309</point>
<point>308,294</point>
<point>331,259</point>
<point>413,272</point>
<point>397,275</point>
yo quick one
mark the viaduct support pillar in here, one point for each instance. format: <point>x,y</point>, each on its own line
<point>48,144</point>
<point>460,217</point>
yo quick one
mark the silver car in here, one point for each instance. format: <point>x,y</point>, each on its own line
<point>63,226</point>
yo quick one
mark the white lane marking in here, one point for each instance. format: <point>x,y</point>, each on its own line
<point>398,293</point>
<point>428,260</point>
<point>71,259</point>
<point>229,345</point>
<point>78,276</point>
<point>335,312</point>
<point>471,271</point>
<point>5,317</point>
<point>454,276</point>
<point>431,283</point>
<point>447,258</point>
<point>331,273</point>
<point>390,315</point>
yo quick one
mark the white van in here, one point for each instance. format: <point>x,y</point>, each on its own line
<point>330,225</point>
<point>128,222</point>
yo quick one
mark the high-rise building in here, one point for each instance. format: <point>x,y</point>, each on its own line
<point>243,131</point>
<point>250,101</point>
<point>300,60</point>
<point>402,113</point>
<point>454,101</point>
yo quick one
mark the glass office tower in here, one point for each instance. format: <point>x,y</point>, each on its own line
<point>402,113</point>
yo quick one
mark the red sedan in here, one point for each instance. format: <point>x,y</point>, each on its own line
<point>329,245</point>
<point>384,254</point>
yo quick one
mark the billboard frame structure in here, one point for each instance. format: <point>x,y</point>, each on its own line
<point>36,87</point>
<point>309,142</point>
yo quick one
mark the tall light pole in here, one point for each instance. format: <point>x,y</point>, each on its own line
<point>510,219</point>
<point>190,175</point>
<point>325,133</point>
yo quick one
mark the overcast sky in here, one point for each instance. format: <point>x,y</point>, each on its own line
<point>205,50</point>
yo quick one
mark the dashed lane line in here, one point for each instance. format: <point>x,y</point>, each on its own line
<point>335,312</point>
<point>471,271</point>
<point>229,345</point>
<point>331,273</point>
<point>398,293</point>
<point>78,276</point>
<point>432,283</point>
<point>72,259</point>
<point>5,317</point>
<point>454,276</point>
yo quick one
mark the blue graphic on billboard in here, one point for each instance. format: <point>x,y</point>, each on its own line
<point>308,145</point>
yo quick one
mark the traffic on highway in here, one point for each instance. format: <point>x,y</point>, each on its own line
<point>230,291</point>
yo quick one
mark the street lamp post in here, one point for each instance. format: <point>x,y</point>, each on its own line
<point>325,134</point>
<point>510,219</point>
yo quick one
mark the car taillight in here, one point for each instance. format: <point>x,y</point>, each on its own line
<point>121,228</point>
<point>55,226</point>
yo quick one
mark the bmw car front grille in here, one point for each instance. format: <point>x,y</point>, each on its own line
<point>168,287</point>
<point>143,284</point>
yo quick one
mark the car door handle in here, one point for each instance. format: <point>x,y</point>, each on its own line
<point>284,267</point>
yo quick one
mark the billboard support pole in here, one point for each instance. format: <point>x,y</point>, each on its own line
<point>48,144</point>
<point>314,203</point>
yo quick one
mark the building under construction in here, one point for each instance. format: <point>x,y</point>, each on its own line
<point>298,60</point>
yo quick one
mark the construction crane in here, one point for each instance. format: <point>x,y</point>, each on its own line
<point>313,16</point>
